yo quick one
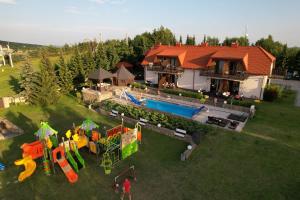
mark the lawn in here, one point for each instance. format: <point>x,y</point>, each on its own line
<point>262,162</point>
<point>9,77</point>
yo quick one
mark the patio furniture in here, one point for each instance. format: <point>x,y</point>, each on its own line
<point>180,132</point>
<point>240,118</point>
<point>233,124</point>
<point>217,121</point>
<point>143,121</point>
<point>114,113</point>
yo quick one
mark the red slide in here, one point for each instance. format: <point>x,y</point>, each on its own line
<point>59,157</point>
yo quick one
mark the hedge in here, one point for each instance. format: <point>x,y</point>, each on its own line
<point>138,85</point>
<point>184,93</point>
<point>167,121</point>
<point>243,103</point>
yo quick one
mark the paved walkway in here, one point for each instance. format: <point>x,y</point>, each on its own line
<point>294,85</point>
<point>201,116</point>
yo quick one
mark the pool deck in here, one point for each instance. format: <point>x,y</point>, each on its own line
<point>202,116</point>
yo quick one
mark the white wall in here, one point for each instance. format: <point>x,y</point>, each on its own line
<point>200,82</point>
<point>185,80</point>
<point>151,76</point>
<point>253,86</point>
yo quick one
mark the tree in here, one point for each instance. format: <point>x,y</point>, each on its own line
<point>47,87</point>
<point>164,36</point>
<point>212,41</point>
<point>180,39</point>
<point>65,76</point>
<point>101,59</point>
<point>242,41</point>
<point>297,61</point>
<point>282,60</point>
<point>274,47</point>
<point>190,40</point>
<point>140,44</point>
<point>27,81</point>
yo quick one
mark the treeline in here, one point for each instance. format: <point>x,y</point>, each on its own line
<point>133,49</point>
<point>67,75</point>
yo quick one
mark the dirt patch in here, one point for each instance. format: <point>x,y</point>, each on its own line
<point>8,129</point>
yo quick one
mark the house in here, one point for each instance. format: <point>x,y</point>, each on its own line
<point>217,69</point>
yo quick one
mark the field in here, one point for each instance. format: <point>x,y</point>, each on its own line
<point>262,162</point>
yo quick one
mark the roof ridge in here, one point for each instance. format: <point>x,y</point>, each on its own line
<point>267,54</point>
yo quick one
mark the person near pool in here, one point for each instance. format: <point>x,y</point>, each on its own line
<point>126,189</point>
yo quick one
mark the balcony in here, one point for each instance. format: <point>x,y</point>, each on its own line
<point>169,69</point>
<point>239,75</point>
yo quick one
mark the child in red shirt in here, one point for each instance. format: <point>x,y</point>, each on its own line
<point>126,189</point>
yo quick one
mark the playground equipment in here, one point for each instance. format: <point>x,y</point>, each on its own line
<point>30,167</point>
<point>2,167</point>
<point>127,173</point>
<point>116,144</point>
<point>58,157</point>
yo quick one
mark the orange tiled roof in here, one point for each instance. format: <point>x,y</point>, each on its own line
<point>256,59</point>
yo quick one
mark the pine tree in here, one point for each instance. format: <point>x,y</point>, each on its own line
<point>101,57</point>
<point>47,86</point>
<point>65,76</point>
<point>27,81</point>
<point>180,39</point>
<point>76,68</point>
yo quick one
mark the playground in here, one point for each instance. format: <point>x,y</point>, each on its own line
<point>225,166</point>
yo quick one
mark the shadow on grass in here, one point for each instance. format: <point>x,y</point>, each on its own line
<point>14,83</point>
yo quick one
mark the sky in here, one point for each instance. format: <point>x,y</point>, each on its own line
<point>69,21</point>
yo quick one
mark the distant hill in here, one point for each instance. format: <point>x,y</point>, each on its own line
<point>20,46</point>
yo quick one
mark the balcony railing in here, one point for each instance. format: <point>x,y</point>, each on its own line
<point>233,76</point>
<point>166,69</point>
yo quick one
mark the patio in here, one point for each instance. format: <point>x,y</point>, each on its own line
<point>202,116</point>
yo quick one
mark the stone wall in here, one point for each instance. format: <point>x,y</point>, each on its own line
<point>6,101</point>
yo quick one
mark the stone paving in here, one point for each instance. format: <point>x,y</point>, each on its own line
<point>203,115</point>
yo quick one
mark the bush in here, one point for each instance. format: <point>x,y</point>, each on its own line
<point>272,92</point>
<point>138,85</point>
<point>167,121</point>
<point>244,103</point>
<point>184,93</point>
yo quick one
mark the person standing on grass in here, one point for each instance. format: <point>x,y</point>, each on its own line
<point>126,189</point>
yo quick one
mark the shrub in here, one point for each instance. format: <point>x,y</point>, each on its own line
<point>272,92</point>
<point>244,103</point>
<point>138,85</point>
<point>168,121</point>
<point>185,93</point>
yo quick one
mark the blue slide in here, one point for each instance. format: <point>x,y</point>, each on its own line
<point>198,110</point>
<point>133,99</point>
<point>2,167</point>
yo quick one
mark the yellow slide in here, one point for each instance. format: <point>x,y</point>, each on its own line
<point>29,165</point>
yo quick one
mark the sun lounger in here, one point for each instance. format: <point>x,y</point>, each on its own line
<point>114,113</point>
<point>143,121</point>
<point>180,132</point>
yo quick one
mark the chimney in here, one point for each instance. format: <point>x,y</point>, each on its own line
<point>178,44</point>
<point>235,44</point>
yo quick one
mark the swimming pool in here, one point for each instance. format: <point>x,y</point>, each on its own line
<point>175,109</point>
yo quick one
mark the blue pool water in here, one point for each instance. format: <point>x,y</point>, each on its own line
<point>176,109</point>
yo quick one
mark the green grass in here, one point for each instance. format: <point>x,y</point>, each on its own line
<point>9,77</point>
<point>262,162</point>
